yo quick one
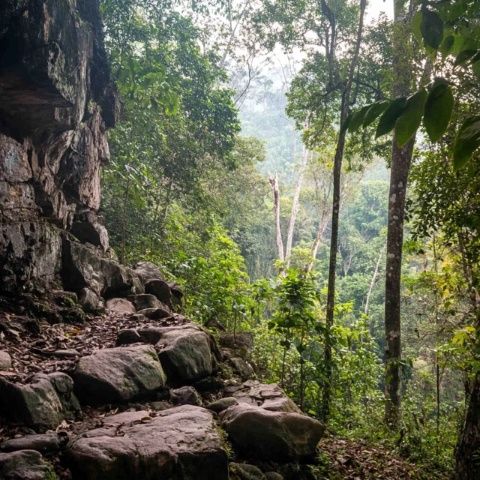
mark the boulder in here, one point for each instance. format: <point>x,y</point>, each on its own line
<point>42,404</point>
<point>45,443</point>
<point>185,396</point>
<point>178,443</point>
<point>241,342</point>
<point>145,301</point>
<point>222,404</point>
<point>273,476</point>
<point>25,465</point>
<point>185,353</point>
<point>5,361</point>
<point>267,435</point>
<point>118,375</point>
<point>241,367</point>
<point>89,300</point>
<point>120,305</point>
<point>156,313</point>
<point>85,267</point>
<point>147,271</point>
<point>244,471</point>
<point>128,336</point>
<point>160,289</point>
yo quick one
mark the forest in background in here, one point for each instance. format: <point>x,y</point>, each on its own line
<point>246,127</point>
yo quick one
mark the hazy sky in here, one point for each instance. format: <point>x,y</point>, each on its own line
<point>376,6</point>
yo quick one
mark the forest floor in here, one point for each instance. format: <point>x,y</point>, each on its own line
<point>347,459</point>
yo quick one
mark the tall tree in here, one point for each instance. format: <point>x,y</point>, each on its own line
<point>337,172</point>
<point>400,167</point>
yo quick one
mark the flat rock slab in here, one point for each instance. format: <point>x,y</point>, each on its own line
<point>268,396</point>
<point>25,465</point>
<point>118,375</point>
<point>180,443</point>
<point>46,443</point>
<point>42,404</point>
<point>267,435</point>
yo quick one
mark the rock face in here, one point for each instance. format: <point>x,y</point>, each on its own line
<point>118,375</point>
<point>267,435</point>
<point>179,443</point>
<point>56,102</point>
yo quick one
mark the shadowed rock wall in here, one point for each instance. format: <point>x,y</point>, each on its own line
<point>56,102</point>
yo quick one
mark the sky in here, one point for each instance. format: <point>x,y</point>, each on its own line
<point>376,6</point>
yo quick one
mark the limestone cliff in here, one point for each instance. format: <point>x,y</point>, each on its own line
<point>56,102</point>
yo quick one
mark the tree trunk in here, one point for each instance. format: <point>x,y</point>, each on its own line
<point>337,171</point>
<point>400,167</point>
<point>467,454</point>
<point>468,448</point>
<point>401,159</point>
<point>276,210</point>
<point>322,225</point>
<point>374,280</point>
<point>295,206</point>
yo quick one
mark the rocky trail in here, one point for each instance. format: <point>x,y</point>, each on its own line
<point>122,395</point>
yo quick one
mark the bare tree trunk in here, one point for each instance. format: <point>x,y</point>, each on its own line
<point>322,226</point>
<point>400,167</point>
<point>337,171</point>
<point>295,206</point>
<point>276,210</point>
<point>374,279</point>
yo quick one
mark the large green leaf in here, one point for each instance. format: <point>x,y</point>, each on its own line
<point>390,116</point>
<point>447,45</point>
<point>375,110</point>
<point>409,121</point>
<point>464,56</point>
<point>467,141</point>
<point>357,118</point>
<point>438,110</point>
<point>432,28</point>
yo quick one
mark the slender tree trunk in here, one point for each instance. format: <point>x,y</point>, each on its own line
<point>337,171</point>
<point>276,210</point>
<point>374,279</point>
<point>295,206</point>
<point>400,167</point>
<point>322,225</point>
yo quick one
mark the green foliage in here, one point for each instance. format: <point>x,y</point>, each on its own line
<point>438,110</point>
